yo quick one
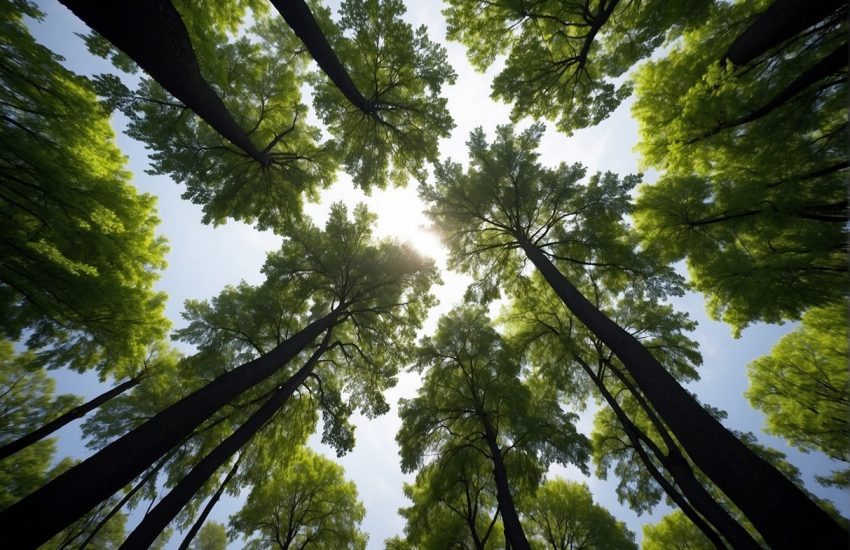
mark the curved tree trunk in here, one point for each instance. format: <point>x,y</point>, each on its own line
<point>297,15</point>
<point>158,519</point>
<point>72,494</point>
<point>778,509</point>
<point>187,540</point>
<point>152,33</point>
<point>781,21</point>
<point>77,412</point>
<point>513,528</point>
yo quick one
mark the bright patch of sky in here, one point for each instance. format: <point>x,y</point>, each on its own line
<point>203,259</point>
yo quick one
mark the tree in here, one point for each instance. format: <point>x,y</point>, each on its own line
<point>212,536</point>
<point>507,207</point>
<point>376,293</point>
<point>302,502</point>
<point>472,397</point>
<point>80,256</point>
<point>755,157</point>
<point>564,58</point>
<point>453,504</point>
<point>563,516</point>
<point>803,386</point>
<point>386,120</point>
<point>674,531</point>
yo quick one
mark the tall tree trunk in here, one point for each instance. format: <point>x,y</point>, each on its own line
<point>158,519</point>
<point>778,509</point>
<point>77,412</point>
<point>781,21</point>
<point>636,438</point>
<point>297,15</point>
<point>684,476</point>
<point>208,508</point>
<point>70,495</point>
<point>690,488</point>
<point>136,488</point>
<point>152,33</point>
<point>510,518</point>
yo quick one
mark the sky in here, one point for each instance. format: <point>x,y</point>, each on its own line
<point>203,259</point>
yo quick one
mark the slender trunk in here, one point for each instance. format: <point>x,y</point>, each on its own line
<point>152,33</point>
<point>635,436</point>
<point>684,476</point>
<point>136,488</point>
<point>77,412</point>
<point>70,495</point>
<point>827,66</point>
<point>158,519</point>
<point>297,15</point>
<point>778,509</point>
<point>208,508</point>
<point>514,534</point>
<point>781,21</point>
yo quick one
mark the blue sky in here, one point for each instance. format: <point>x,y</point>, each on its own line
<point>204,259</point>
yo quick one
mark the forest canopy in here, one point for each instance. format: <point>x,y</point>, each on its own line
<point>577,358</point>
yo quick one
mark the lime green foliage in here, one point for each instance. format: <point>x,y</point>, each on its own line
<point>302,502</point>
<point>212,536</point>
<point>401,73</point>
<point>453,505</point>
<point>79,254</point>
<point>803,386</point>
<point>563,516</point>
<point>753,193</point>
<point>565,59</point>
<point>26,402</point>
<point>506,197</point>
<point>674,532</point>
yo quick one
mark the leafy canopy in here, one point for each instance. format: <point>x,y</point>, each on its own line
<point>566,59</point>
<point>753,194</point>
<point>302,502</point>
<point>803,386</point>
<point>79,251</point>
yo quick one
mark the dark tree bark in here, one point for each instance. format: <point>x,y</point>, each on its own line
<point>829,65</point>
<point>158,519</point>
<point>690,488</point>
<point>780,22</point>
<point>152,33</point>
<point>510,518</point>
<point>136,488</point>
<point>297,15</point>
<point>73,493</point>
<point>684,476</point>
<point>778,509</point>
<point>636,438</point>
<point>77,412</point>
<point>187,540</point>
